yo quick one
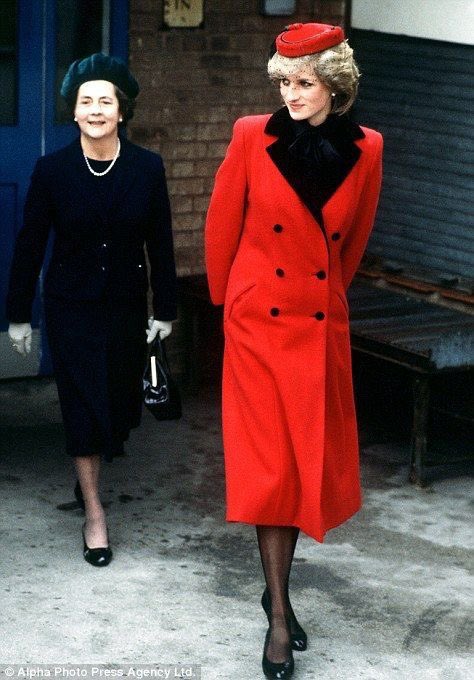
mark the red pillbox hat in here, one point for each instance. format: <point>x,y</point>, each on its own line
<point>297,40</point>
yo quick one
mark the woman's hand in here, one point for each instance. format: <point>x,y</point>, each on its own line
<point>20,336</point>
<point>163,327</point>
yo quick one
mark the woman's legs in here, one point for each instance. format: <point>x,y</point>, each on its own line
<point>277,546</point>
<point>95,528</point>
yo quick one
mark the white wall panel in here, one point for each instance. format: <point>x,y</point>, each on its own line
<point>447,20</point>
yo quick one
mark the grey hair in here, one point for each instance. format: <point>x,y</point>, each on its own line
<point>334,67</point>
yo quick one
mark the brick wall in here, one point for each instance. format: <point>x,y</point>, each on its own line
<point>194,84</point>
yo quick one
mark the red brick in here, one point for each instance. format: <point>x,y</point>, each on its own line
<point>211,132</point>
<point>184,133</point>
<point>201,204</point>
<point>181,204</point>
<point>181,169</point>
<point>189,237</point>
<point>207,168</point>
<point>190,150</point>
<point>186,187</point>
<point>216,149</point>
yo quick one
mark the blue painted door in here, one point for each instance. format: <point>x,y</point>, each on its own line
<point>38,40</point>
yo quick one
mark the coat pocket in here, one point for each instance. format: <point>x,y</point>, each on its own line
<point>236,298</point>
<point>342,298</point>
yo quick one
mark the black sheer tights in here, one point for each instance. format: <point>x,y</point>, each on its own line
<point>277,547</point>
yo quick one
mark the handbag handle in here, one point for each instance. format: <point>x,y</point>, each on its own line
<point>157,350</point>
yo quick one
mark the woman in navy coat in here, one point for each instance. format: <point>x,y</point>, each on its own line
<point>105,199</point>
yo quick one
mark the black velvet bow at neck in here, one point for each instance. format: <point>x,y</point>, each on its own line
<point>315,160</point>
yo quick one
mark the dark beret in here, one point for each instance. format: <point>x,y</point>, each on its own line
<point>297,40</point>
<point>99,67</point>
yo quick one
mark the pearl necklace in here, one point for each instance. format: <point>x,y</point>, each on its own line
<point>112,163</point>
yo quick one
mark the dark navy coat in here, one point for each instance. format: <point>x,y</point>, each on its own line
<point>97,249</point>
<point>95,289</point>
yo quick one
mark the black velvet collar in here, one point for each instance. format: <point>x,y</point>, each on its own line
<point>314,160</point>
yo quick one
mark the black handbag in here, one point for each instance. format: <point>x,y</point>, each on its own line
<point>160,392</point>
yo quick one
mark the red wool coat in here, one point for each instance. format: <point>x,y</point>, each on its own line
<point>289,424</point>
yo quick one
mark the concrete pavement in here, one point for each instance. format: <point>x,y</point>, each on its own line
<point>387,596</point>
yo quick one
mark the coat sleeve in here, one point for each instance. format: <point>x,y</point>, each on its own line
<point>160,251</point>
<point>226,215</point>
<point>358,236</point>
<point>30,248</point>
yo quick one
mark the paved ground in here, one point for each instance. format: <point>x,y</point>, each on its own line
<point>388,595</point>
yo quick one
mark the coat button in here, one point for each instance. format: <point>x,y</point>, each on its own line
<point>274,311</point>
<point>321,274</point>
<point>336,236</point>
<point>278,228</point>
<point>279,272</point>
<point>319,316</point>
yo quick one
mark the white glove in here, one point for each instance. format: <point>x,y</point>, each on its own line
<point>164,328</point>
<point>20,336</point>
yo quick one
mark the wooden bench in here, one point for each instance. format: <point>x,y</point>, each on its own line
<point>422,337</point>
<point>425,338</point>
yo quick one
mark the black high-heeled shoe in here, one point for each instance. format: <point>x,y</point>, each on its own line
<point>276,671</point>
<point>79,497</point>
<point>98,557</point>
<point>298,637</point>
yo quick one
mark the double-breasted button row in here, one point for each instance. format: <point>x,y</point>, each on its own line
<point>278,228</point>
<point>320,274</point>
<point>274,311</point>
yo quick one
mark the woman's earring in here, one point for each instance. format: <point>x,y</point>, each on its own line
<point>333,94</point>
<point>75,119</point>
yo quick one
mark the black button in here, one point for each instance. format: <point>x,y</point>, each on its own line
<point>336,236</point>
<point>321,274</point>
<point>278,228</point>
<point>274,311</point>
<point>319,316</point>
<point>279,272</point>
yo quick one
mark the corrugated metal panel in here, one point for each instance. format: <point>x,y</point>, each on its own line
<point>420,94</point>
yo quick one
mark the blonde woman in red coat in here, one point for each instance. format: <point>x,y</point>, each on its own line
<point>291,212</point>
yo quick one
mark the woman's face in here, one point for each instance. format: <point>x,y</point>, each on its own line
<point>97,109</point>
<point>306,97</point>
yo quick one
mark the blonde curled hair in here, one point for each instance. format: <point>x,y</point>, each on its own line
<point>334,67</point>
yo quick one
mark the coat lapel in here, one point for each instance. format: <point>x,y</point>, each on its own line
<point>85,184</point>
<point>125,177</point>
<point>314,182</point>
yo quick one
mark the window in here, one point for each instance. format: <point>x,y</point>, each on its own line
<point>8,62</point>
<point>82,28</point>
<point>278,8</point>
